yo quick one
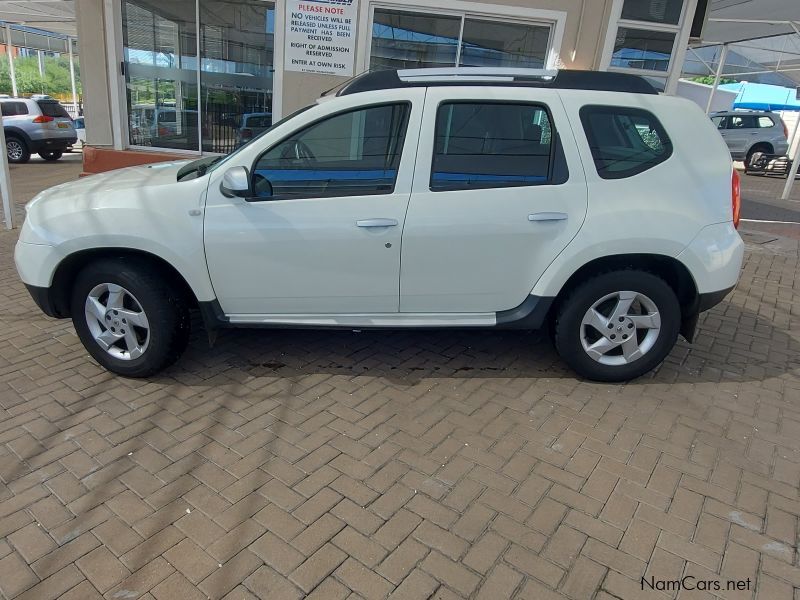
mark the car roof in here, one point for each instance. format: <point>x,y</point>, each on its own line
<point>498,77</point>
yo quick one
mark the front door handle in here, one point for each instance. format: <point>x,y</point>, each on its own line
<point>377,223</point>
<point>547,216</point>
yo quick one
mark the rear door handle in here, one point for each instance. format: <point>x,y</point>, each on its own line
<point>547,216</point>
<point>377,223</point>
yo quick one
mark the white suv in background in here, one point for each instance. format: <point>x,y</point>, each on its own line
<point>424,199</point>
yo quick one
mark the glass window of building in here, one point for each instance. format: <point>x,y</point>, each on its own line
<point>642,49</point>
<point>645,36</point>
<point>653,11</point>
<point>406,40</point>
<point>235,70</point>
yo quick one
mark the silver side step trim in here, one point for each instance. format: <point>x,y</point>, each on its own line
<point>370,320</point>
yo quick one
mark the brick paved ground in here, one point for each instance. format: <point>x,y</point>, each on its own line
<point>344,465</point>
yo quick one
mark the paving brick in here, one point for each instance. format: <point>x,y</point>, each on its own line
<point>230,574</point>
<point>417,585</point>
<point>55,586</point>
<point>31,542</point>
<point>176,586</point>
<point>484,553</point>
<point>450,573</point>
<point>433,536</point>
<point>533,565</point>
<point>15,575</point>
<point>276,553</point>
<point>317,567</point>
<point>193,563</point>
<point>102,569</point>
<point>402,561</point>
<point>268,584</point>
<point>362,580</point>
<point>501,583</point>
<point>583,579</point>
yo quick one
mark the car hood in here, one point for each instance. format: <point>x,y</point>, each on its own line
<point>107,185</point>
<point>139,200</point>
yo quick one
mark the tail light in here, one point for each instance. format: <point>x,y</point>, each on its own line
<point>43,119</point>
<point>785,129</point>
<point>736,197</point>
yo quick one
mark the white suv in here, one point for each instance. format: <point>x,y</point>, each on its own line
<point>420,198</point>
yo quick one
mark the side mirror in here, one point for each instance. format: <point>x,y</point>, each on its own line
<point>236,183</point>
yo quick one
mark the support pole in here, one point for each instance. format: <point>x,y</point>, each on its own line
<point>787,190</point>
<point>5,183</point>
<point>72,76</point>
<point>720,67</point>
<point>10,53</point>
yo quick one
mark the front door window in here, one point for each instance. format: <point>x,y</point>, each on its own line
<point>356,153</point>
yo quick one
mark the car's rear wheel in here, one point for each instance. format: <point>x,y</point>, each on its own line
<point>758,148</point>
<point>132,322</point>
<point>618,325</point>
<point>17,150</point>
<point>51,155</point>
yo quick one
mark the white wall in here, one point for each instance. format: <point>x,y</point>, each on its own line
<point>698,93</point>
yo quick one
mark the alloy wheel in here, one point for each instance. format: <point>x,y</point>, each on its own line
<point>117,321</point>
<point>14,149</point>
<point>620,328</point>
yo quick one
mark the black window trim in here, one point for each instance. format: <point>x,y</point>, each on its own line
<point>632,111</point>
<point>555,145</point>
<point>407,119</point>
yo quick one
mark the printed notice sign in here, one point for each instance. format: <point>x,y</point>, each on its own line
<point>321,36</point>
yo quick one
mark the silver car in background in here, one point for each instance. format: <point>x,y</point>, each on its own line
<point>748,132</point>
<point>36,125</point>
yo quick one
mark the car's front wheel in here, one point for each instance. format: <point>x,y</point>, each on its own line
<point>618,325</point>
<point>132,322</point>
<point>51,155</point>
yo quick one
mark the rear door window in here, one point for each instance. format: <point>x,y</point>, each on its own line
<point>490,145</point>
<point>13,109</point>
<point>624,141</point>
<point>742,122</point>
<point>53,109</point>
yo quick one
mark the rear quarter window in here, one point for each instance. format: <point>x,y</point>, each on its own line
<point>13,109</point>
<point>624,141</point>
<point>765,122</point>
<point>53,109</point>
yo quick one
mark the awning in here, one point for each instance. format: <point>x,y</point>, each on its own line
<point>57,16</point>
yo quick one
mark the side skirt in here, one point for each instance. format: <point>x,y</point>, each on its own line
<point>531,314</point>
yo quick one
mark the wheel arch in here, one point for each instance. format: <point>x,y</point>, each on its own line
<point>70,266</point>
<point>17,132</point>
<point>670,269</point>
<point>767,146</point>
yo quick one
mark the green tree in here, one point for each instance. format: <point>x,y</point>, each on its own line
<point>55,81</point>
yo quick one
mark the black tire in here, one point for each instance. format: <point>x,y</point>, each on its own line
<point>570,315</point>
<point>165,306</point>
<point>51,155</point>
<point>16,149</point>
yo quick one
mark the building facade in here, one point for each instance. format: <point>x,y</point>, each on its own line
<point>166,78</point>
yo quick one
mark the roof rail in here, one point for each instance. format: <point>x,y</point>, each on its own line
<point>474,74</point>
<point>563,79</point>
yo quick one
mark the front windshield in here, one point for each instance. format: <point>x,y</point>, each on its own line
<point>208,164</point>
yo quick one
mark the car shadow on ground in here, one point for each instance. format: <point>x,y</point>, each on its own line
<point>732,343</point>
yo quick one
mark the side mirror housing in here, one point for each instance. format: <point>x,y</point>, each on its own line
<point>236,183</point>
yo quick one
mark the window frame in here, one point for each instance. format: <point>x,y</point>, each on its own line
<point>409,107</point>
<point>555,19</point>
<point>681,31</point>
<point>551,162</point>
<point>666,140</point>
